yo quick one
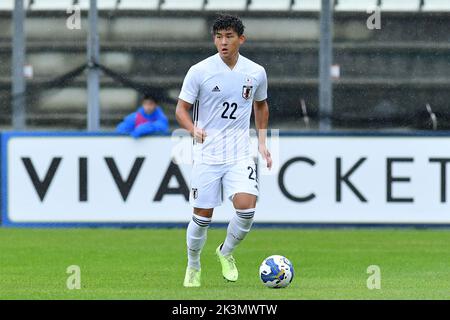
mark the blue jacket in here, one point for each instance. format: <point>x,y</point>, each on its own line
<point>139,123</point>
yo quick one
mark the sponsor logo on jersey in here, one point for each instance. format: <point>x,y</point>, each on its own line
<point>247,92</point>
<point>216,89</point>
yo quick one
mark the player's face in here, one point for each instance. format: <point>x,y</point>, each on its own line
<point>228,42</point>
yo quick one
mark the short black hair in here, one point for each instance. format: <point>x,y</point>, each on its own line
<point>148,96</point>
<point>154,96</point>
<point>226,21</point>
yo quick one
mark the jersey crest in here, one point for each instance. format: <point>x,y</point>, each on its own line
<point>247,88</point>
<point>247,91</point>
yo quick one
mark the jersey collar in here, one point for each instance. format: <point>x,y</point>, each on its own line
<point>226,66</point>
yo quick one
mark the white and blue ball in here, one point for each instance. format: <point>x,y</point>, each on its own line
<point>276,272</point>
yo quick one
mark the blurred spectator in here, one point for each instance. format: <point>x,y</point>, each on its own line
<point>148,119</point>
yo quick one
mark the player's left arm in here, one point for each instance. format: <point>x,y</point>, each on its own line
<point>261,109</point>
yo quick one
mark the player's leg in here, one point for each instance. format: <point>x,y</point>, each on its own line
<point>196,234</point>
<point>241,222</point>
<point>241,186</point>
<point>205,195</point>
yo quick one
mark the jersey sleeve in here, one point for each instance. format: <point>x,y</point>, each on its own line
<point>261,90</point>
<point>191,86</point>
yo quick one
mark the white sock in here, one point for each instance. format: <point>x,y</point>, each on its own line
<point>238,228</point>
<point>196,238</point>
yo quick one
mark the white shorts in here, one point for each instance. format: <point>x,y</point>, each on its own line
<point>207,181</point>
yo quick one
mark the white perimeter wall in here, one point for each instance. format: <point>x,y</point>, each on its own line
<point>394,180</point>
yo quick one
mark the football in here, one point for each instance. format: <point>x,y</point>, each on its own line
<point>276,272</point>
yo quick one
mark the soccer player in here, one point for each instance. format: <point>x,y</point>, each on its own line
<point>223,89</point>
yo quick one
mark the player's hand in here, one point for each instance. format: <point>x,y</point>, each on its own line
<point>266,155</point>
<point>199,135</point>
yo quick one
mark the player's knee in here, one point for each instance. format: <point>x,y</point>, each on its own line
<point>207,213</point>
<point>244,201</point>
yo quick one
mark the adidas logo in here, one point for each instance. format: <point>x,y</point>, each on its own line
<point>216,89</point>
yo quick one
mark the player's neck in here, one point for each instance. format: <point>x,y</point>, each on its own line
<point>231,61</point>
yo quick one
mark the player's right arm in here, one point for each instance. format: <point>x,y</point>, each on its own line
<point>185,121</point>
<point>188,95</point>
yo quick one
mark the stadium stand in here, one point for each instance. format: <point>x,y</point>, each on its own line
<point>270,5</point>
<point>48,5</point>
<point>182,5</point>
<point>436,5</point>
<point>6,5</point>
<point>386,77</point>
<point>306,5</point>
<point>139,5</point>
<point>355,5</point>
<point>230,5</point>
<point>398,6</point>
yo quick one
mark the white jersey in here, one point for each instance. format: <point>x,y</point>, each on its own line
<point>224,100</point>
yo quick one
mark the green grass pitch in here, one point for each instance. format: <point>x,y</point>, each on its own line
<point>150,264</point>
